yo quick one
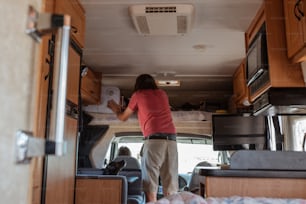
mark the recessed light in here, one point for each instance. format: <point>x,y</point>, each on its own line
<point>168,82</point>
<point>199,47</point>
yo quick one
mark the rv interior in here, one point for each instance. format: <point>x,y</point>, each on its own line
<point>234,72</point>
<point>201,54</point>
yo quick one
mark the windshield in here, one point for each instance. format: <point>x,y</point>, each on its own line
<point>191,154</point>
<point>191,151</point>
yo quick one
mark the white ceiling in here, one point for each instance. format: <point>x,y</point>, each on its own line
<point>204,59</point>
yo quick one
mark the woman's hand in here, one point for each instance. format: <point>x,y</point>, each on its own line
<point>116,108</point>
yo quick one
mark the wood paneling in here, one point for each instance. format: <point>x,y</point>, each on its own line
<point>98,191</point>
<point>61,170</point>
<point>255,187</point>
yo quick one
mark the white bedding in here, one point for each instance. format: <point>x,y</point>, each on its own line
<point>107,118</point>
<point>249,200</point>
<point>190,198</point>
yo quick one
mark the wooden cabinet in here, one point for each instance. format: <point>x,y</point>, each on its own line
<point>99,190</point>
<point>211,186</point>
<point>255,26</point>
<point>73,77</point>
<point>240,89</point>
<point>281,71</point>
<point>295,29</point>
<point>91,87</point>
<point>77,13</point>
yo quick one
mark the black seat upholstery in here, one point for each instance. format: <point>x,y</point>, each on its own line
<point>134,180</point>
<point>132,171</point>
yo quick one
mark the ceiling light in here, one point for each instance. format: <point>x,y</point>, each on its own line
<point>199,47</point>
<point>168,82</point>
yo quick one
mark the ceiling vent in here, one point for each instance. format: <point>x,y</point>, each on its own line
<point>162,19</point>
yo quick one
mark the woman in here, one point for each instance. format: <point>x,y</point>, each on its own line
<point>160,149</point>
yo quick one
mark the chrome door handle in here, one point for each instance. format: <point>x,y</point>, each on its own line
<point>37,26</point>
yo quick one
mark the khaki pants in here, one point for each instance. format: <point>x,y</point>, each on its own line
<point>160,158</point>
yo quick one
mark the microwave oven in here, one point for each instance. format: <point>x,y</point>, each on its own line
<point>257,56</point>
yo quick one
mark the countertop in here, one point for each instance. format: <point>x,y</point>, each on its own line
<point>218,172</point>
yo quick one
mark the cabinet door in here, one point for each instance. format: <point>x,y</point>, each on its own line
<point>73,75</point>
<point>77,13</point>
<point>91,88</point>
<point>239,86</point>
<point>295,24</point>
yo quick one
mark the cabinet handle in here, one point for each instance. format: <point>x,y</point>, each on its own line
<point>74,29</point>
<point>299,14</point>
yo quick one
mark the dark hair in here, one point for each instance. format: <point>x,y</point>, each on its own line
<point>145,81</point>
<point>124,151</point>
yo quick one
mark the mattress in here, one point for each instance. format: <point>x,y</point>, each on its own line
<point>108,118</point>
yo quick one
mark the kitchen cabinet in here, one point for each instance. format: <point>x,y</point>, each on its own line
<point>240,89</point>
<point>91,87</point>
<point>77,13</point>
<point>295,29</point>
<point>281,71</point>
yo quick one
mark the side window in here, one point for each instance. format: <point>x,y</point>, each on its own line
<point>107,156</point>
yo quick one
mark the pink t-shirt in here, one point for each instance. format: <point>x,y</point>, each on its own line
<point>153,109</point>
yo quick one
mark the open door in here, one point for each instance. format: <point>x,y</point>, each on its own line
<point>19,93</point>
<point>22,149</point>
<point>18,74</point>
